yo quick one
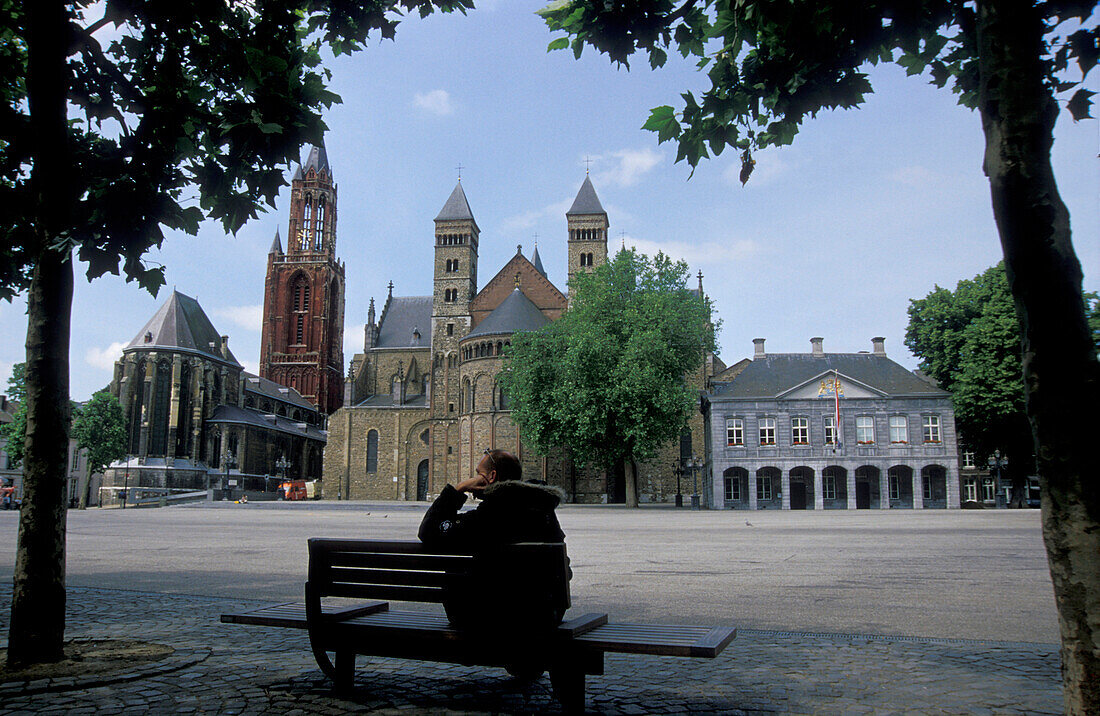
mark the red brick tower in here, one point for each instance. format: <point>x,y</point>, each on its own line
<point>302,345</point>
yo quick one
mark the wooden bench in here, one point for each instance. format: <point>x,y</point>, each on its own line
<point>377,572</point>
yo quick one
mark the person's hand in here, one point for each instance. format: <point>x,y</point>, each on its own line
<point>473,484</point>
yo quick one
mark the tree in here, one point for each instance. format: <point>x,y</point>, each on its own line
<point>14,432</point>
<point>109,124</point>
<point>772,64</point>
<point>607,379</point>
<point>969,341</point>
<point>101,428</point>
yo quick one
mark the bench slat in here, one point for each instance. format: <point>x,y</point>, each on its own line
<point>664,640</point>
<point>401,577</point>
<point>377,591</point>
<point>429,562</point>
<point>293,615</point>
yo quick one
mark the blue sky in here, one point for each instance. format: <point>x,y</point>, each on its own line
<point>831,237</point>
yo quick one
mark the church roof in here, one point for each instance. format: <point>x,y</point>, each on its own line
<point>181,325</point>
<point>276,245</point>
<point>317,160</point>
<point>586,202</point>
<point>270,388</point>
<point>456,208</point>
<point>515,313</point>
<point>773,374</point>
<point>402,316</point>
<point>537,262</point>
<point>247,416</point>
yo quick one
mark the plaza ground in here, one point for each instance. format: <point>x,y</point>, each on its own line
<point>929,611</point>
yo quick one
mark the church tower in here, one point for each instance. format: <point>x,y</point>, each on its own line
<point>587,231</point>
<point>302,344</point>
<point>456,240</point>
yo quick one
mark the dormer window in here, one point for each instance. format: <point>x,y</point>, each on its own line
<point>148,337</point>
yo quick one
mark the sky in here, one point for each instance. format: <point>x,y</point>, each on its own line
<point>831,236</point>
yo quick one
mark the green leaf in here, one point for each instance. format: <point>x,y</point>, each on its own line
<point>560,43</point>
<point>663,121</point>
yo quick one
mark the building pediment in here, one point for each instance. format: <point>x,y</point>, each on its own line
<point>823,386</point>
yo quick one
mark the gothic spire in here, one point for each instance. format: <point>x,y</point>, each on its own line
<point>586,202</point>
<point>276,245</point>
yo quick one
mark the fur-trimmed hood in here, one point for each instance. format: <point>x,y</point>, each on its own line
<point>532,494</point>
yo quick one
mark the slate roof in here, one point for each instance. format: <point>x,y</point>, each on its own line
<point>270,388</point>
<point>181,325</point>
<point>276,245</point>
<point>537,262</point>
<point>244,416</point>
<point>456,208</point>
<point>399,319</point>
<point>768,376</point>
<point>515,313</point>
<point>385,400</point>
<point>586,202</point>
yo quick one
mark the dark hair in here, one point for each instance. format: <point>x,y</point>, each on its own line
<point>505,463</point>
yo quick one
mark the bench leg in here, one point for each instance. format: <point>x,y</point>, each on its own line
<point>568,683</point>
<point>345,670</point>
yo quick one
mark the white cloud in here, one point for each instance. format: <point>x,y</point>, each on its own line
<point>437,102</point>
<point>627,166</point>
<point>250,318</point>
<point>528,219</point>
<point>697,254</point>
<point>104,358</point>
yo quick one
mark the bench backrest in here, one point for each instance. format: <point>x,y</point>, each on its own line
<point>408,571</point>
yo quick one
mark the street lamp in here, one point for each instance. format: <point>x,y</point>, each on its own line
<point>230,461</point>
<point>126,482</point>
<point>678,469</point>
<point>695,464</point>
<point>997,463</point>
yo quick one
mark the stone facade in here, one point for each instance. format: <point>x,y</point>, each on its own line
<point>771,424</point>
<point>188,403</point>
<point>423,402</point>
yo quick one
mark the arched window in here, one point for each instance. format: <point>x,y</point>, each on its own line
<point>318,226</point>
<point>502,399</point>
<point>372,451</point>
<point>158,425</point>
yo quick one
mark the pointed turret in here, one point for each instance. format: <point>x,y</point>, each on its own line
<point>318,159</point>
<point>456,208</point>
<point>277,244</point>
<point>537,262</point>
<point>586,203</point>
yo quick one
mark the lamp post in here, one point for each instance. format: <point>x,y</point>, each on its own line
<point>230,461</point>
<point>126,482</point>
<point>997,463</point>
<point>695,464</point>
<point>282,465</point>
<point>678,469</point>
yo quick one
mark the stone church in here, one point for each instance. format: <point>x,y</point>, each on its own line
<point>422,402</point>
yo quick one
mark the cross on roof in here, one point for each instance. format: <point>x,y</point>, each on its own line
<point>587,164</point>
<point>460,168</point>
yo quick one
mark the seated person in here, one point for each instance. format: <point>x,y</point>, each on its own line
<point>511,511</point>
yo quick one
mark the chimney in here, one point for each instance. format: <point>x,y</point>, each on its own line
<point>815,345</point>
<point>225,347</point>
<point>759,344</point>
<point>879,345</point>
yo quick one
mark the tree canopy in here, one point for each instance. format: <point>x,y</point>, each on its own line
<point>608,379</point>
<point>101,428</point>
<point>14,432</point>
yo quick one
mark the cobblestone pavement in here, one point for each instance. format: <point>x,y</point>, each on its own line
<point>231,669</point>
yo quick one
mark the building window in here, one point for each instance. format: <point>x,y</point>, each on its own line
<point>450,407</point>
<point>865,429</point>
<point>895,485</point>
<point>800,431</point>
<point>989,492</point>
<point>931,428</point>
<point>830,430</point>
<point>76,459</point>
<point>926,487</point>
<point>735,432</point>
<point>968,461</point>
<point>372,451</point>
<point>767,431</point>
<point>763,488</point>
<point>733,489</point>
<point>971,485</point>
<point>899,429</point>
<point>450,329</point>
<point>828,486</point>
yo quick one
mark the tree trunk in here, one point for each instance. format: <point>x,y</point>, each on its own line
<point>37,629</point>
<point>1061,373</point>
<point>630,478</point>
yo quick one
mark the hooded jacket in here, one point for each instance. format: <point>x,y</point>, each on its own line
<point>510,512</point>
